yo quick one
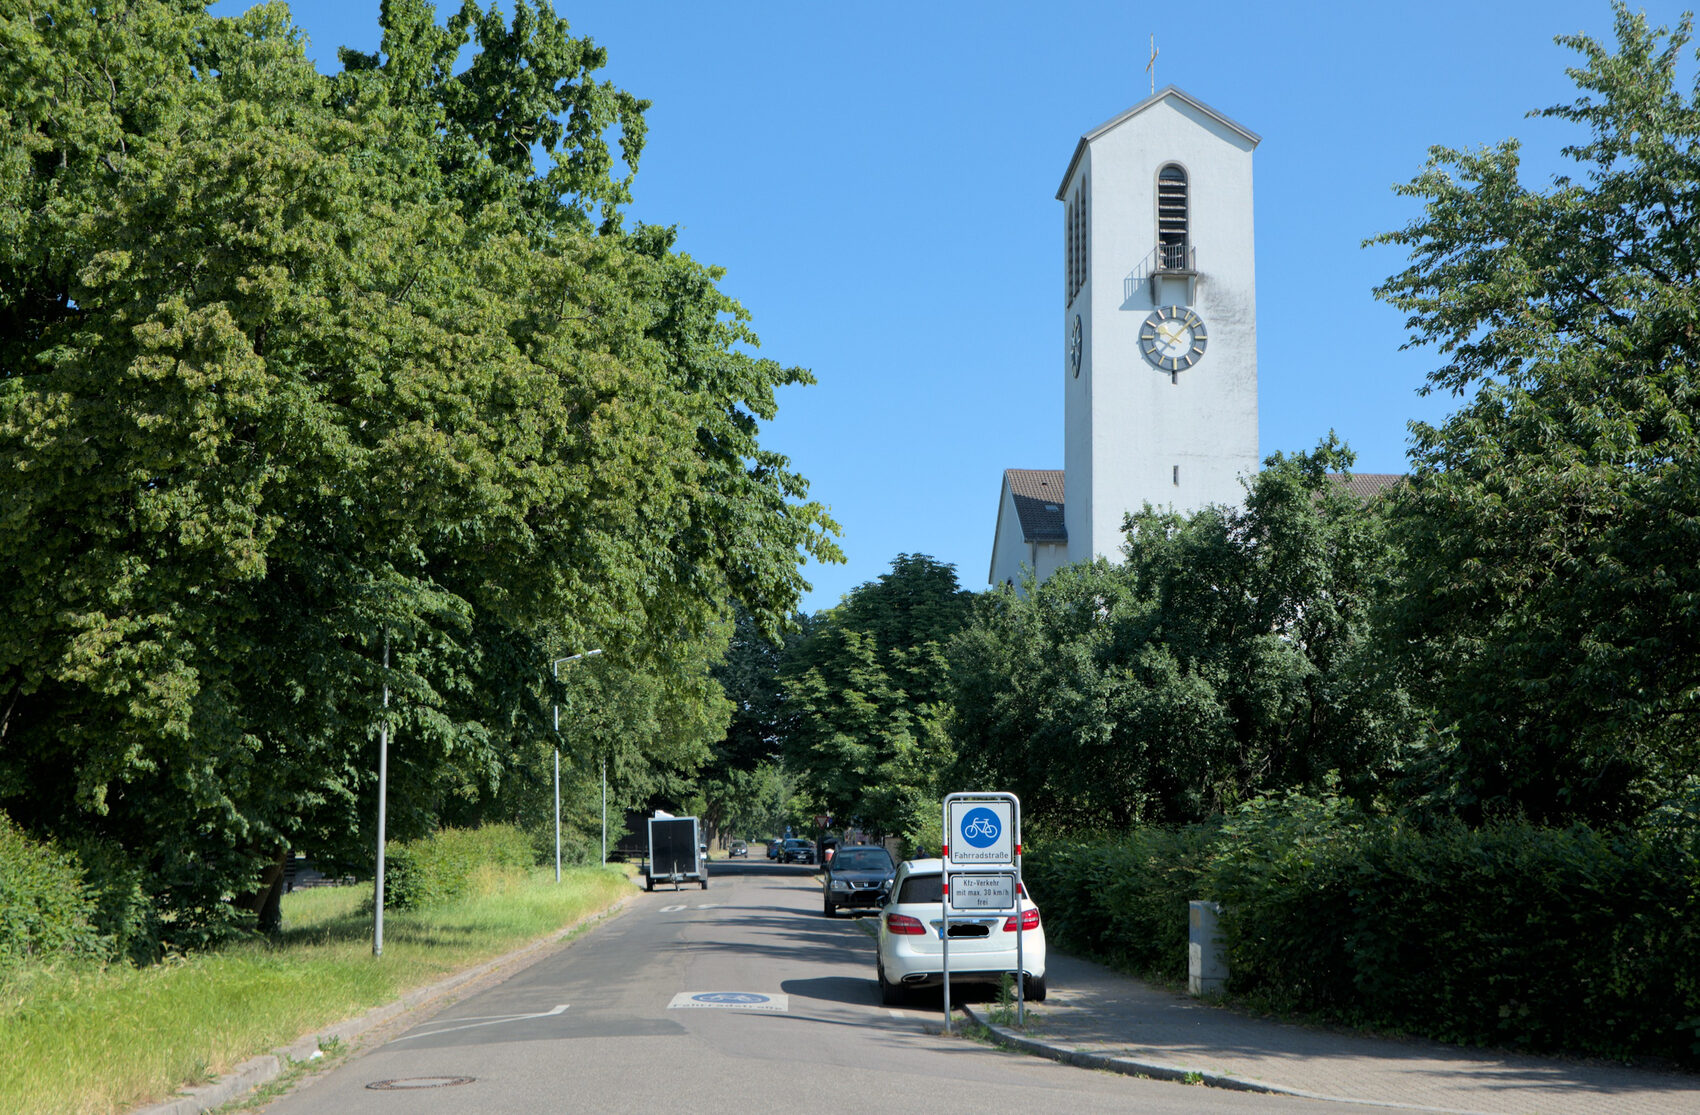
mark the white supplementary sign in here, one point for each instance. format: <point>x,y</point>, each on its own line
<point>979,834</point>
<point>981,892</point>
<point>730,1000</point>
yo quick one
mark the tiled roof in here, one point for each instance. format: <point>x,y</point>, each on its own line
<point>1038,496</point>
<point>1366,485</point>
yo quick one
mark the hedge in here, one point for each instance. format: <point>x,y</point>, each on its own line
<point>1123,899</point>
<point>1564,940</point>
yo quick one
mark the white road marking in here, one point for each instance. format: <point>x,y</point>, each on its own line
<point>708,906</point>
<point>485,1020</point>
<point>671,909</point>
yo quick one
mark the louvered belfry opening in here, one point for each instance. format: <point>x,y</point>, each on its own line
<point>1076,237</point>
<point>1171,218</point>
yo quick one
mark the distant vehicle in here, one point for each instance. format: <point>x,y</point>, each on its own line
<point>982,947</point>
<point>856,876</point>
<point>739,848</point>
<point>797,851</point>
<point>676,855</point>
<point>774,847</point>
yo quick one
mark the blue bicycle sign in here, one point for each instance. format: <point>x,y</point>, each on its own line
<point>980,828</point>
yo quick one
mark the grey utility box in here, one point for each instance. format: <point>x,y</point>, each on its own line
<point>1206,960</point>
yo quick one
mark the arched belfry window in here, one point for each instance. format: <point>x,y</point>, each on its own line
<point>1172,222</point>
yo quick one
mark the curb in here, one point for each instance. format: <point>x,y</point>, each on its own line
<point>1129,1066</point>
<point>255,1071</point>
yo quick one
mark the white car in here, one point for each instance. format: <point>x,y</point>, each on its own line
<point>982,946</point>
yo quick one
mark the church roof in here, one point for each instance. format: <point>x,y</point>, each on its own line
<point>1125,115</point>
<point>1366,485</point>
<point>1038,494</point>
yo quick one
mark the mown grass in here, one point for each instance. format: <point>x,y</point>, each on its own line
<point>86,1040</point>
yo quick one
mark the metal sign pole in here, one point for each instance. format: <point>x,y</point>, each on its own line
<point>944,909</point>
<point>1020,931</point>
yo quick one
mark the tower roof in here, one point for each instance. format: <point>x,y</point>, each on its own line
<point>1120,118</point>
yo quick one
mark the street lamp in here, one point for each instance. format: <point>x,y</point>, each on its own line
<point>555,669</point>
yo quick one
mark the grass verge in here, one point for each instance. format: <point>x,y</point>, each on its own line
<point>86,1040</point>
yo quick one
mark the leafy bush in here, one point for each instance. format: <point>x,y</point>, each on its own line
<point>121,907</point>
<point>45,911</point>
<point>452,864</point>
<point>1284,876</point>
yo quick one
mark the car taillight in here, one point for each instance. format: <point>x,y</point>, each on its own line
<point>904,924</point>
<point>1029,920</point>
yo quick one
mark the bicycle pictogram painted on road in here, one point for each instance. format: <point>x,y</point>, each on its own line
<point>733,1000</point>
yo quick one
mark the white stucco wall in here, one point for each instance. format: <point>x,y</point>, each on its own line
<point>1128,425</point>
<point>1011,552</point>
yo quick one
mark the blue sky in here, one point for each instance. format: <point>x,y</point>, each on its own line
<point>879,182</point>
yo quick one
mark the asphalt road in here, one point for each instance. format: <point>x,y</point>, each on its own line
<point>604,1026</point>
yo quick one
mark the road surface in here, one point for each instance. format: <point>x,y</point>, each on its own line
<point>739,998</point>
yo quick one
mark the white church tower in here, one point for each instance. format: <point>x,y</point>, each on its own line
<point>1159,335</point>
<point>1159,318</point>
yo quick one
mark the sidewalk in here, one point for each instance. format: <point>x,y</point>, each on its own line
<point>1102,1019</point>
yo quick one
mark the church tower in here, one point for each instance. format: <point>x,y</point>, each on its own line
<point>1159,353</point>
<point>1159,318</point>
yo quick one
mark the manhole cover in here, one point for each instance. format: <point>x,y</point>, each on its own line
<point>407,1082</point>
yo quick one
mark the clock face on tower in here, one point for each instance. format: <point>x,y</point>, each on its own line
<point>1173,338</point>
<point>1074,344</point>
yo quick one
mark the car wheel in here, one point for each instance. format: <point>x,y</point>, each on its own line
<point>1033,989</point>
<point>649,884</point>
<point>704,884</point>
<point>828,908</point>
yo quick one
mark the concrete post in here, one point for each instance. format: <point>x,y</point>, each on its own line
<point>1206,960</point>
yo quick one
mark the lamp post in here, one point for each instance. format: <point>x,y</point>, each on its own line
<point>555,669</point>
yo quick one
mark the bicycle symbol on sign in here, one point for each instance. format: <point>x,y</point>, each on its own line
<point>981,828</point>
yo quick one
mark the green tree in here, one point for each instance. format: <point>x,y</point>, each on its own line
<point>1548,611</point>
<point>867,690</point>
<point>297,373</point>
<point>1229,653</point>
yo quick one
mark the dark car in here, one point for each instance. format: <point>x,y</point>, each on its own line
<point>857,875</point>
<point>739,848</point>
<point>797,851</point>
<point>774,847</point>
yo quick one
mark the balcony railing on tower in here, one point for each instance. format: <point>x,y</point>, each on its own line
<point>1168,275</point>
<point>1174,257</point>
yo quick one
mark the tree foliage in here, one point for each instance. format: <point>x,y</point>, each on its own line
<point>1229,653</point>
<point>300,373</point>
<point>1547,611</point>
<point>867,690</point>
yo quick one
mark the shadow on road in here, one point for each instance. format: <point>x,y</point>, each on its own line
<point>834,989</point>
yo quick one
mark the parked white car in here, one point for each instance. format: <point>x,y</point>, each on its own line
<point>982,946</point>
